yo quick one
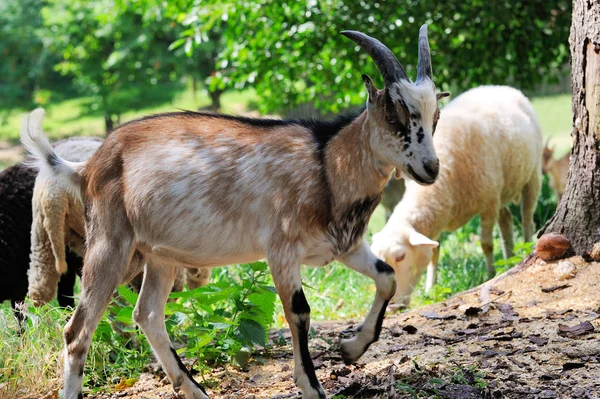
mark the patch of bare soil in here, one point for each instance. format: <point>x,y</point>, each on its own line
<point>530,333</point>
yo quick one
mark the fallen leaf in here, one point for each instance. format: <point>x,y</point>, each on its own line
<point>455,391</point>
<point>472,311</point>
<point>571,366</point>
<point>507,311</point>
<point>555,288</point>
<point>437,316</point>
<point>538,340</point>
<point>125,383</point>
<point>549,377</point>
<point>576,330</point>
<point>410,329</point>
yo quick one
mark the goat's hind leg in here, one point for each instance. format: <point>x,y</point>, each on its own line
<point>105,262</point>
<point>149,314</point>
<point>364,261</point>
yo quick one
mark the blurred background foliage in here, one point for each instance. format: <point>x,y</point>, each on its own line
<point>118,52</point>
<point>292,52</point>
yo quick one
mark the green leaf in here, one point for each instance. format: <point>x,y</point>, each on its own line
<point>258,266</point>
<point>253,332</point>
<point>124,315</point>
<point>127,294</point>
<point>177,43</point>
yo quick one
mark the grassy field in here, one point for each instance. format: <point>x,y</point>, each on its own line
<point>334,292</point>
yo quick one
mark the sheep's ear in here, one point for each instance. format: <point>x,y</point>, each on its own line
<point>441,95</point>
<point>371,89</point>
<point>415,239</point>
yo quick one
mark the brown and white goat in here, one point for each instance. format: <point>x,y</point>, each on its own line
<point>203,190</point>
<point>557,170</point>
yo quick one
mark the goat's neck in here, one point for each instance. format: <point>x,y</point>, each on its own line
<point>353,172</point>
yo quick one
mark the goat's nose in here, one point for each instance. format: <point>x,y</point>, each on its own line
<point>432,167</point>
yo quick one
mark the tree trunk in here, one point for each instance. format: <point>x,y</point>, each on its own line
<point>215,98</point>
<point>109,124</point>
<point>578,213</point>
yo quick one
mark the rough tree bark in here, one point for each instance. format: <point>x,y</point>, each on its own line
<point>578,213</point>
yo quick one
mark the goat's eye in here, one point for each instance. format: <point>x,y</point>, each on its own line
<point>392,121</point>
<point>400,258</point>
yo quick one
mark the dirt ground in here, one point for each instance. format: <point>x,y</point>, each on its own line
<point>506,339</point>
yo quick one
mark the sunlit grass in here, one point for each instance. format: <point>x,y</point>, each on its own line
<point>554,113</point>
<point>74,117</point>
<point>29,362</point>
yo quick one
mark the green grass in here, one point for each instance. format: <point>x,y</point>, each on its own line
<point>554,113</point>
<point>74,117</point>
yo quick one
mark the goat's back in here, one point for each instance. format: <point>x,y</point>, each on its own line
<point>196,182</point>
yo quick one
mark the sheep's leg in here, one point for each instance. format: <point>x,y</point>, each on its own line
<point>432,270</point>
<point>107,256</point>
<point>66,284</point>
<point>149,314</point>
<point>505,222</point>
<point>487,242</point>
<point>286,276</point>
<point>42,274</point>
<point>530,195</point>
<point>195,278</point>
<point>364,261</point>
<point>55,210</point>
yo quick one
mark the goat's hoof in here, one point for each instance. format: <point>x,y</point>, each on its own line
<point>314,393</point>
<point>309,390</point>
<point>351,350</point>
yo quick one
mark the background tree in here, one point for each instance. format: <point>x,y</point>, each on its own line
<point>293,53</point>
<point>26,64</point>
<point>578,213</point>
<point>201,44</point>
<point>112,45</point>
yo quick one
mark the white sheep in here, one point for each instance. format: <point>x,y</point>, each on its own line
<point>490,147</point>
<point>58,223</point>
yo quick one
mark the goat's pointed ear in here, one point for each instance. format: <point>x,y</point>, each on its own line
<point>415,239</point>
<point>371,89</point>
<point>441,95</point>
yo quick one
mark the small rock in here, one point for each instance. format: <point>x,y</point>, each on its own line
<point>548,393</point>
<point>565,270</point>
<point>552,246</point>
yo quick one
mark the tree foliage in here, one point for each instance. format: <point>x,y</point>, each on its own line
<point>292,52</point>
<point>25,65</point>
<point>112,45</point>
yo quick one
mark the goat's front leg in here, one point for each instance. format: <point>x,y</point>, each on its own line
<point>364,261</point>
<point>286,276</point>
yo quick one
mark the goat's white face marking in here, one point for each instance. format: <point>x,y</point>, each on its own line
<point>405,115</point>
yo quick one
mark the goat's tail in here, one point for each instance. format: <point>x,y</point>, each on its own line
<point>44,157</point>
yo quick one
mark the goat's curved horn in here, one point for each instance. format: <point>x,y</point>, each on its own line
<point>424,65</point>
<point>387,63</point>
